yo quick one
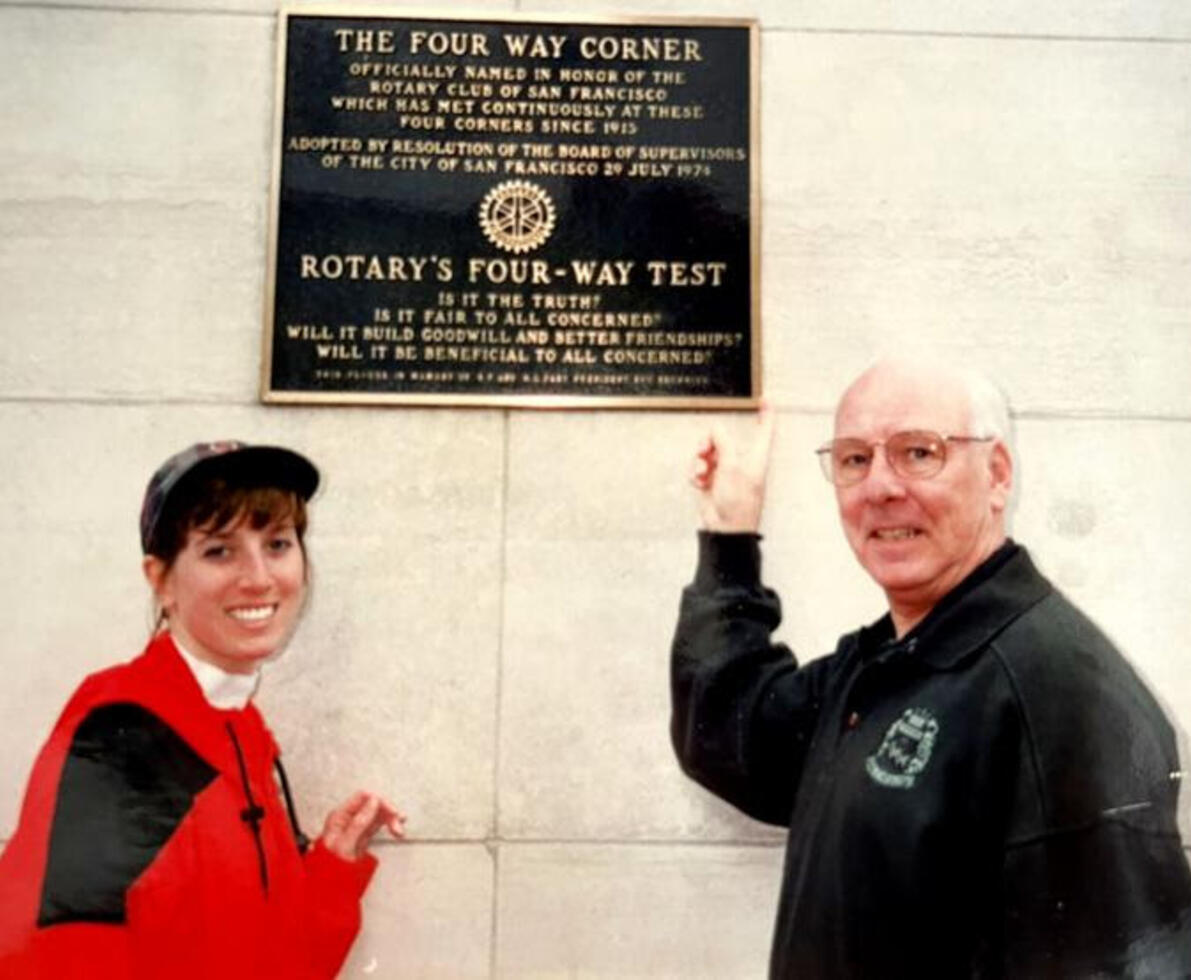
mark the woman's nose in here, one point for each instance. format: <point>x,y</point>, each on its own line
<point>254,570</point>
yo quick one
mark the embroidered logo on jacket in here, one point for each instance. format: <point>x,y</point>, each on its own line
<point>905,750</point>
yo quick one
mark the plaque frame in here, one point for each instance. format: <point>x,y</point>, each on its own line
<point>492,399</point>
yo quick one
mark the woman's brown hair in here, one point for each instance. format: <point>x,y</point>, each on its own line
<point>216,503</point>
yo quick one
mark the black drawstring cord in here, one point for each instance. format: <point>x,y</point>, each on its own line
<point>252,814</point>
<point>301,838</point>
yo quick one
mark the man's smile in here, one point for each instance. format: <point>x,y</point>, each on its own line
<point>896,533</point>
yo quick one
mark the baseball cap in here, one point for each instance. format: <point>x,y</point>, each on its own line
<point>272,466</point>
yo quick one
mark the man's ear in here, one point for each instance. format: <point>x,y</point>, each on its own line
<point>1000,470</point>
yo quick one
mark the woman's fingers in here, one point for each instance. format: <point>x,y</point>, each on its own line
<point>351,826</point>
<point>390,817</point>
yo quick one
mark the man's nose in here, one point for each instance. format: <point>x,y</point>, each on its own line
<point>882,482</point>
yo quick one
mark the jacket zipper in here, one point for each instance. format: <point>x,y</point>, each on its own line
<point>254,813</point>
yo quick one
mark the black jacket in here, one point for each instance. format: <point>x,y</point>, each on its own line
<point>992,795</point>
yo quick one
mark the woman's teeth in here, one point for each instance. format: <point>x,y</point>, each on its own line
<point>252,614</point>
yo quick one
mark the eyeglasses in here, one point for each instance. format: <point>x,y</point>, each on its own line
<point>917,455</point>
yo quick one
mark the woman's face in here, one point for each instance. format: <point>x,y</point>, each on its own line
<point>233,594</point>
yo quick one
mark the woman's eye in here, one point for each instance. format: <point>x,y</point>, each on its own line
<point>216,551</point>
<point>281,544</point>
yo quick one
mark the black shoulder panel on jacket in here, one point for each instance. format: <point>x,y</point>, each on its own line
<point>127,782</point>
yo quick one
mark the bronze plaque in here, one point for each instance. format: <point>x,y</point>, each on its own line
<point>514,212</point>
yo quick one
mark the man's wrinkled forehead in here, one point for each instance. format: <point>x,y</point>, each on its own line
<point>892,397</point>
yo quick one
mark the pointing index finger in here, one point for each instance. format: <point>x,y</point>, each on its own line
<point>762,441</point>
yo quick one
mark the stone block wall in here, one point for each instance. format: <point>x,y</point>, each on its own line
<point>495,589</point>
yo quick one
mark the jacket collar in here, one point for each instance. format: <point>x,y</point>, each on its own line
<point>221,689</point>
<point>993,595</point>
<point>170,689</point>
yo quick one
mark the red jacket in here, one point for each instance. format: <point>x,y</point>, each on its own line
<point>154,841</point>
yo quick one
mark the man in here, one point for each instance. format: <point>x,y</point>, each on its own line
<point>975,785</point>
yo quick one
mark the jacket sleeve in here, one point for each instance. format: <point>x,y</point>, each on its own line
<point>334,888</point>
<point>1096,879</point>
<point>743,713</point>
<point>28,951</point>
<point>106,792</point>
<point>1112,899</point>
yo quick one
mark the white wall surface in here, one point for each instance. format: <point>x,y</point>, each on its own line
<point>495,590</point>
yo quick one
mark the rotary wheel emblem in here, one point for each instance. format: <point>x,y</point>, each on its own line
<point>517,216</point>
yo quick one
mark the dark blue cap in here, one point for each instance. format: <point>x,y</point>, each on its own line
<point>268,466</point>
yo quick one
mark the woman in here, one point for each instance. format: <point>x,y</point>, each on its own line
<point>157,836</point>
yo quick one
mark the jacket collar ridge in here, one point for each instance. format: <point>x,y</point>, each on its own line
<point>996,593</point>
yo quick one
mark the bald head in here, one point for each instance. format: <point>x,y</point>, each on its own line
<point>986,411</point>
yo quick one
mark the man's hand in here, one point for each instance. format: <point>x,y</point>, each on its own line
<point>350,827</point>
<point>730,477</point>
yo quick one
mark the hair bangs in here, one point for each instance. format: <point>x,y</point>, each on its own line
<point>216,504</point>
